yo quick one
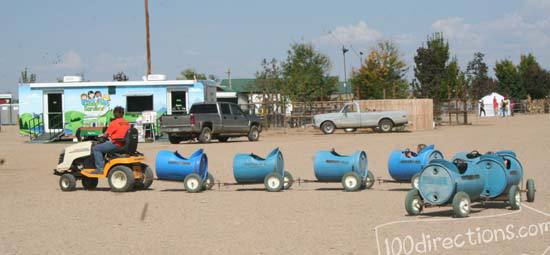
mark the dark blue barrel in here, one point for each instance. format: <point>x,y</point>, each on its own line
<point>500,171</point>
<point>440,180</point>
<point>251,168</point>
<point>330,166</point>
<point>174,167</point>
<point>403,168</point>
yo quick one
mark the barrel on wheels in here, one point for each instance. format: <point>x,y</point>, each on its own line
<point>443,183</point>
<point>253,169</point>
<point>351,170</point>
<point>404,165</point>
<point>192,171</point>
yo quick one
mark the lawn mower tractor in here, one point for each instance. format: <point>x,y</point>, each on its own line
<point>124,168</point>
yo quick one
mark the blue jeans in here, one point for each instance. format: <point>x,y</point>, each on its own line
<point>98,151</point>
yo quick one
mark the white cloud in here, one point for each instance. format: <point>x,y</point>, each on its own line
<point>526,30</point>
<point>360,33</point>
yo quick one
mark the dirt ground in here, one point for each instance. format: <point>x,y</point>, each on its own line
<point>37,218</point>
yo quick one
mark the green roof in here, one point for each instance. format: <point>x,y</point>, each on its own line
<point>239,85</point>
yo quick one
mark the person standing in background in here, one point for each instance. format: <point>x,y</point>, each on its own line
<point>495,106</point>
<point>482,108</point>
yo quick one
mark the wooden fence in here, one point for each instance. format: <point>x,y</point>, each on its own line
<point>420,111</point>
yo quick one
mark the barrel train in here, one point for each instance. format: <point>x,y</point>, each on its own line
<point>470,177</point>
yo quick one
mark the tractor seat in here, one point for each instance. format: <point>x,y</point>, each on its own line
<point>130,145</point>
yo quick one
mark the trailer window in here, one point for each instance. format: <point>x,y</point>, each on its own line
<point>204,108</point>
<point>139,103</point>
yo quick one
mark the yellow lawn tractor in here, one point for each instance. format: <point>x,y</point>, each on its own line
<point>124,167</point>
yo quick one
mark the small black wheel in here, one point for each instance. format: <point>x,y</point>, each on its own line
<point>514,198</point>
<point>415,180</point>
<point>89,183</point>
<point>67,182</point>
<point>253,134</point>
<point>192,183</point>
<point>328,127</point>
<point>174,139</point>
<point>206,135</point>
<point>223,139</point>
<point>531,190</point>
<point>274,182</point>
<point>351,181</point>
<point>147,180</point>
<point>385,126</point>
<point>288,180</point>
<point>413,203</point>
<point>369,180</point>
<point>121,179</point>
<point>209,182</point>
<point>461,205</point>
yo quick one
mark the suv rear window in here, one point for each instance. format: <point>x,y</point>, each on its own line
<point>204,108</point>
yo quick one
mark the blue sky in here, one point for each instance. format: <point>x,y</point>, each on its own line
<point>99,38</point>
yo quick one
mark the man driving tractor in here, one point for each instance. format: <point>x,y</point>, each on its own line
<point>115,133</point>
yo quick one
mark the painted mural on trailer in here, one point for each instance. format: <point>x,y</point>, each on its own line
<point>92,106</point>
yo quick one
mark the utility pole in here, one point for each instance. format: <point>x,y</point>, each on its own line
<point>344,50</point>
<point>361,58</point>
<point>147,37</point>
<point>229,77</point>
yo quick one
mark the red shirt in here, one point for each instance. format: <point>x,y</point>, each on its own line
<point>117,130</point>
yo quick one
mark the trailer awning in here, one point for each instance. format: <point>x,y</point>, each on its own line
<point>110,83</point>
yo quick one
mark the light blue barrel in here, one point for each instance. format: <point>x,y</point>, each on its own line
<point>175,167</point>
<point>402,168</point>
<point>440,180</point>
<point>500,171</point>
<point>330,166</point>
<point>251,168</point>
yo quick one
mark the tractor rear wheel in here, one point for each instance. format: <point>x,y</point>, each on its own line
<point>121,179</point>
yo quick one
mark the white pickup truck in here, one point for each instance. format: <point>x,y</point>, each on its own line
<point>351,117</point>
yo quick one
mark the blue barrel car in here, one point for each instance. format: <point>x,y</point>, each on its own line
<point>503,174</point>
<point>351,170</point>
<point>253,169</point>
<point>404,165</point>
<point>446,183</point>
<point>494,176</point>
<point>192,171</point>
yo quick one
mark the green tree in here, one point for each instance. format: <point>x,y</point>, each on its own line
<point>431,68</point>
<point>452,80</point>
<point>509,80</point>
<point>382,75</point>
<point>191,74</point>
<point>305,74</point>
<point>268,78</point>
<point>27,77</point>
<point>476,73</point>
<point>532,77</point>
